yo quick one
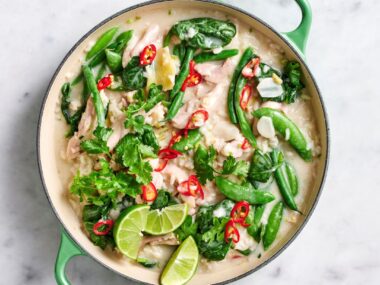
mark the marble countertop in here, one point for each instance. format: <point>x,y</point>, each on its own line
<point>339,245</point>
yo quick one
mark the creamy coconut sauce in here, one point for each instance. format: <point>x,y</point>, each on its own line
<point>218,131</point>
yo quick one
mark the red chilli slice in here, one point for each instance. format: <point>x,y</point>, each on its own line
<point>197,119</point>
<point>148,54</point>
<point>107,223</point>
<point>231,232</point>
<point>246,94</point>
<point>240,212</point>
<point>249,71</point>
<point>245,145</point>
<point>162,164</point>
<point>149,192</point>
<point>168,153</point>
<point>194,187</point>
<point>105,82</point>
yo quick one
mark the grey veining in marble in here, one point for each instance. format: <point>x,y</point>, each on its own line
<point>340,244</point>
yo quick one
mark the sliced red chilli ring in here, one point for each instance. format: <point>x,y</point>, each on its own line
<point>191,80</point>
<point>168,153</point>
<point>105,82</point>
<point>240,212</point>
<point>149,192</point>
<point>245,145</point>
<point>161,165</point>
<point>197,119</point>
<point>148,54</point>
<point>249,71</point>
<point>102,227</point>
<point>246,94</point>
<point>231,232</point>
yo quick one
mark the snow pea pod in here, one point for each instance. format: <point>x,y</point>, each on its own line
<point>175,105</point>
<point>282,181</point>
<point>183,73</point>
<point>254,220</point>
<point>292,179</point>
<point>244,124</point>
<point>189,142</point>
<point>113,60</point>
<point>273,225</point>
<point>91,83</point>
<point>102,42</point>
<point>245,58</point>
<point>238,192</point>
<point>210,56</point>
<point>282,123</point>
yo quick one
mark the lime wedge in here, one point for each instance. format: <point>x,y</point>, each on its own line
<point>182,264</point>
<point>160,222</point>
<point>128,229</point>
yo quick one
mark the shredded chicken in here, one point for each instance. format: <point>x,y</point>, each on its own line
<point>169,239</point>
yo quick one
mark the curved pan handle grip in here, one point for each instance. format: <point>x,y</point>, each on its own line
<point>67,249</point>
<point>298,37</point>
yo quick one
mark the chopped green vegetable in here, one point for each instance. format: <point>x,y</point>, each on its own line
<point>238,168</point>
<point>146,262</point>
<point>203,163</point>
<point>188,228</point>
<point>163,200</point>
<point>102,42</point>
<point>262,167</point>
<point>205,33</point>
<point>133,75</point>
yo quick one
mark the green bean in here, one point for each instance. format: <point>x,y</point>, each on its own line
<point>179,50</point>
<point>245,58</point>
<point>273,225</point>
<point>113,60</point>
<point>283,184</point>
<point>281,124</point>
<point>183,73</point>
<point>189,142</point>
<point>254,221</point>
<point>238,192</point>
<point>292,179</point>
<point>175,105</point>
<point>101,72</point>
<point>244,124</point>
<point>102,42</point>
<point>210,56</point>
<point>91,83</point>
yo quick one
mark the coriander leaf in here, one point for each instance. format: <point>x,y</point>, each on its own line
<point>203,163</point>
<point>143,172</point>
<point>232,166</point>
<point>149,138</point>
<point>102,133</point>
<point>188,228</point>
<point>101,241</point>
<point>147,151</point>
<point>135,124</point>
<point>94,146</point>
<point>133,75</point>
<point>146,262</point>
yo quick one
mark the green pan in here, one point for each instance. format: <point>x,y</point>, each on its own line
<point>73,241</point>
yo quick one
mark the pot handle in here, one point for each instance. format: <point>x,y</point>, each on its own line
<point>298,37</point>
<point>67,249</point>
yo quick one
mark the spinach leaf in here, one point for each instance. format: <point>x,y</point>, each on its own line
<point>71,119</point>
<point>101,241</point>
<point>203,163</point>
<point>149,138</point>
<point>146,262</point>
<point>133,75</point>
<point>261,168</point>
<point>211,244</point>
<point>245,252</point>
<point>205,33</point>
<point>188,228</point>
<point>292,81</point>
<point>163,200</point>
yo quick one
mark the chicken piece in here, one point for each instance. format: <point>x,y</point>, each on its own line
<point>155,115</point>
<point>73,147</point>
<point>183,115</point>
<point>151,36</point>
<point>174,173</point>
<point>217,72</point>
<point>168,239</point>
